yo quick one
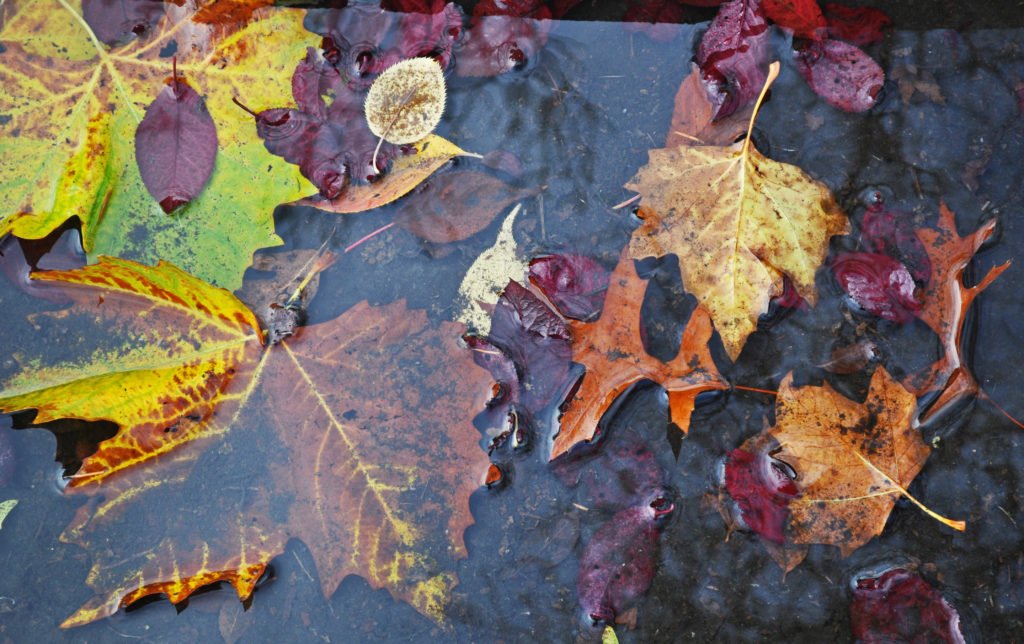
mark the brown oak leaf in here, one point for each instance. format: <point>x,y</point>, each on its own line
<point>944,307</point>
<point>354,435</point>
<point>615,359</point>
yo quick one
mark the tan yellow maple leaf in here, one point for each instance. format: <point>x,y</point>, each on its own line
<point>739,222</point>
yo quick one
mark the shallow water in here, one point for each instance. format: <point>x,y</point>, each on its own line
<point>581,116</point>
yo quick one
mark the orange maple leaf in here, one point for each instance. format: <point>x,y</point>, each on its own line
<point>615,360</point>
<point>228,448</point>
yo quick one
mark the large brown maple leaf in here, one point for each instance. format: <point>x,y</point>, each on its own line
<point>613,353</point>
<point>738,222</point>
<point>353,435</point>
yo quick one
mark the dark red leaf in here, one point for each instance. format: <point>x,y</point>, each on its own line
<point>790,298</point>
<point>618,564</point>
<point>879,284</point>
<point>176,145</point>
<point>858,25</point>
<point>840,73</point>
<point>498,44</point>
<point>899,606</point>
<point>432,33</point>
<point>537,341</point>
<point>801,17</point>
<point>574,283</point>
<point>115,22</point>
<point>892,233</point>
<point>659,19</point>
<point>733,55</point>
<point>761,490</point>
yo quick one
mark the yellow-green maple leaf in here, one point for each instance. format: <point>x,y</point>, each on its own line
<point>68,114</point>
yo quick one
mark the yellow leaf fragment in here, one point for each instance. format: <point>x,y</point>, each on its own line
<point>5,509</point>
<point>488,276</point>
<point>738,222</point>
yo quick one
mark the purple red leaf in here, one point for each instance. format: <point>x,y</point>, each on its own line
<point>840,73</point>
<point>733,55</point>
<point>900,606</point>
<point>624,473</point>
<point>176,145</point>
<point>575,284</point>
<point>858,25</point>
<point>619,562</point>
<point>761,490</point>
<point>879,284</point>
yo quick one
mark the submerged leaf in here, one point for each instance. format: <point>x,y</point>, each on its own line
<point>900,606</point>
<point>315,428</point>
<point>842,74</point>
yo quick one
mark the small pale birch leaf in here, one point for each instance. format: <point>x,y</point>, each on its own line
<point>406,101</point>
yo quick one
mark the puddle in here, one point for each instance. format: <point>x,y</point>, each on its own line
<point>580,115</point>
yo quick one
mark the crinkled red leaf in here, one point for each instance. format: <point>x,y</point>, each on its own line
<point>576,284</point>
<point>842,74</point>
<point>879,284</point>
<point>858,25</point>
<point>176,145</point>
<point>536,339</point>
<point>619,562</point>
<point>899,606</point>
<point>762,492</point>
<point>733,55</point>
<point>892,233</point>
<point>801,17</point>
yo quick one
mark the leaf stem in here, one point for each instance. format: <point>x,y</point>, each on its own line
<point>952,523</point>
<point>239,103</point>
<point>773,73</point>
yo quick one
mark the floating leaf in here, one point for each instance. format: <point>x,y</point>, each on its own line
<point>615,360</point>
<point>852,462</point>
<point>406,101</point>
<point>487,276</point>
<point>319,429</point>
<point>176,145</point>
<point>738,222</point>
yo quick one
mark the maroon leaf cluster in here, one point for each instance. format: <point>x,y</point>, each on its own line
<point>176,145</point>
<point>733,54</point>
<point>900,606</point>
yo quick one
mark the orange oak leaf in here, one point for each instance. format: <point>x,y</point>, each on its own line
<point>693,116</point>
<point>615,359</point>
<point>852,461</point>
<point>945,304</point>
<point>739,223</point>
<point>354,436</point>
